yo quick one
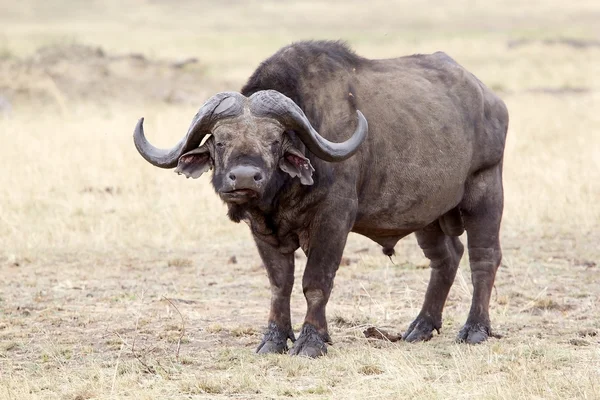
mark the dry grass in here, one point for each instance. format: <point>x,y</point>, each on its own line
<point>93,239</point>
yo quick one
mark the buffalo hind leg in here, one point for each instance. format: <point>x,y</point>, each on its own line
<point>444,253</point>
<point>280,269</point>
<point>482,212</point>
<point>328,235</point>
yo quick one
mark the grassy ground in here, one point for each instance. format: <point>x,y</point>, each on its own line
<point>122,280</point>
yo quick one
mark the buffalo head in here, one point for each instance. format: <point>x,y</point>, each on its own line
<point>250,137</point>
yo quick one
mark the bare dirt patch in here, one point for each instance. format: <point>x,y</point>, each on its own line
<point>60,74</point>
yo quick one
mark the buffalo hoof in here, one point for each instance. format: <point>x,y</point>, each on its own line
<point>473,333</point>
<point>421,329</point>
<point>275,340</point>
<point>310,343</point>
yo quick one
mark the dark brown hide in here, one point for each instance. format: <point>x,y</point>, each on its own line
<point>431,164</point>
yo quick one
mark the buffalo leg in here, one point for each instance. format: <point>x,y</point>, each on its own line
<point>444,253</point>
<point>280,269</point>
<point>326,245</point>
<point>482,212</point>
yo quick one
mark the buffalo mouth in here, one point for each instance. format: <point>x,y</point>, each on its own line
<point>239,195</point>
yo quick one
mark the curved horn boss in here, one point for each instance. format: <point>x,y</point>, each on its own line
<point>221,105</point>
<point>271,103</point>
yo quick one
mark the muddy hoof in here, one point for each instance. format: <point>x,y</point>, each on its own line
<point>473,333</point>
<point>309,343</point>
<point>275,340</point>
<point>270,347</point>
<point>421,329</point>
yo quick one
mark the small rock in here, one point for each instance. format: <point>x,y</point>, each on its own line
<point>376,333</point>
<point>5,106</point>
<point>585,263</point>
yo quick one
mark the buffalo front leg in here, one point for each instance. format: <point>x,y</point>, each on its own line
<point>326,246</point>
<point>482,215</point>
<point>444,253</point>
<point>280,269</point>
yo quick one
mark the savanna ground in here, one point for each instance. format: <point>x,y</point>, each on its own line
<point>122,280</point>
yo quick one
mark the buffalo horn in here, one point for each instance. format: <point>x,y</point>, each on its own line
<point>221,105</point>
<point>274,104</point>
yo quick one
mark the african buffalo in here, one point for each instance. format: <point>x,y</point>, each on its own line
<point>431,163</point>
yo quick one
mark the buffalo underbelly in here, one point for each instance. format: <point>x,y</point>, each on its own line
<point>399,212</point>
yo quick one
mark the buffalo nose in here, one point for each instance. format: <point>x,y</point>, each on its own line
<point>245,176</point>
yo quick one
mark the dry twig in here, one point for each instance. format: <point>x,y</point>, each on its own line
<point>182,327</point>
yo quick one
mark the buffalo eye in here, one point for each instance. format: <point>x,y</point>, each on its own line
<point>275,146</point>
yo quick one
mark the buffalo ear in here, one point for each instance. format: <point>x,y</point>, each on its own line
<point>194,163</point>
<point>295,164</point>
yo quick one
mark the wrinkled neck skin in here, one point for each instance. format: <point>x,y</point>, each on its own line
<point>286,208</point>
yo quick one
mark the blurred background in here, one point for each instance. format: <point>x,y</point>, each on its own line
<point>75,76</point>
